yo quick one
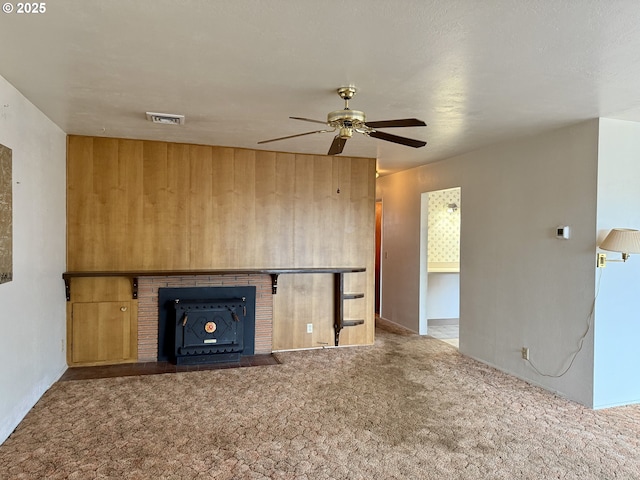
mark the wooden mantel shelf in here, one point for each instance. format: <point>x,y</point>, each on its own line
<point>135,274</point>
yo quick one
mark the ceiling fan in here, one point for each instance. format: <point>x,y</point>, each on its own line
<point>347,121</point>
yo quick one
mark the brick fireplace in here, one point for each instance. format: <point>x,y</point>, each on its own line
<point>148,307</point>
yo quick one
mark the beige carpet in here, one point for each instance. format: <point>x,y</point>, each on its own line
<point>408,408</point>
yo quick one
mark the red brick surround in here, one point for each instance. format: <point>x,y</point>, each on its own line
<point>148,307</point>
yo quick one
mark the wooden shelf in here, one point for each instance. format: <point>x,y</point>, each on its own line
<point>135,274</point>
<point>351,296</point>
<point>338,285</point>
<point>339,296</point>
<point>352,323</point>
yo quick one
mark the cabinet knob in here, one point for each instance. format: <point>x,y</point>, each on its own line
<point>123,309</point>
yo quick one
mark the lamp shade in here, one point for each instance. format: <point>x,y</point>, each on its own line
<point>622,240</point>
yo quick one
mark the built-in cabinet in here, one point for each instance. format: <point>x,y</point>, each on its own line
<point>101,333</point>
<point>102,326</point>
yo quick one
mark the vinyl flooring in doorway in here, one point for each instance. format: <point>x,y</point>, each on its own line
<point>446,333</point>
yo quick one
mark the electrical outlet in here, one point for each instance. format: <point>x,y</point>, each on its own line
<point>309,327</point>
<point>62,345</point>
<point>525,353</point>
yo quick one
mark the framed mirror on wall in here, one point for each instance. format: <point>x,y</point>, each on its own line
<point>6,216</point>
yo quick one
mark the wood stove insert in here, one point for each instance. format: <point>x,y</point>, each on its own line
<point>199,325</point>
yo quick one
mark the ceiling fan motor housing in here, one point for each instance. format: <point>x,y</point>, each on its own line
<point>346,118</point>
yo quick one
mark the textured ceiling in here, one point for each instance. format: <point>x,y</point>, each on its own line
<point>478,72</point>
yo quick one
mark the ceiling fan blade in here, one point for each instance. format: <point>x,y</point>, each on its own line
<point>402,122</point>
<point>337,146</point>
<point>409,142</point>
<point>293,136</point>
<point>308,120</point>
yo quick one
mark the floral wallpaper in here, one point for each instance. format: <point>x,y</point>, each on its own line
<point>444,226</point>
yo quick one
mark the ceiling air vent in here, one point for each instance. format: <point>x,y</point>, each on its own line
<point>165,118</point>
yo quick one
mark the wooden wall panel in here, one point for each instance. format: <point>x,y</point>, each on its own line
<point>242,214</point>
<point>80,201</point>
<point>199,201</point>
<point>136,204</point>
<point>222,231</point>
<point>155,202</point>
<point>303,299</point>
<point>270,242</point>
<point>131,219</point>
<point>176,232</point>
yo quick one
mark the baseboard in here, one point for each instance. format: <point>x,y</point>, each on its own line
<point>390,324</point>
<point>20,409</point>
<point>435,322</point>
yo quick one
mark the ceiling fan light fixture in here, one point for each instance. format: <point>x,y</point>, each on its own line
<point>346,132</point>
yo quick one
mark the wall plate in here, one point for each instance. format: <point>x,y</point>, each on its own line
<point>562,231</point>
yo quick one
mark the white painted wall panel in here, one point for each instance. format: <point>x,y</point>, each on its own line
<point>32,317</point>
<point>443,296</point>
<point>519,285</point>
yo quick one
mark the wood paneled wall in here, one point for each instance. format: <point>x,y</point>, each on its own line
<point>136,204</point>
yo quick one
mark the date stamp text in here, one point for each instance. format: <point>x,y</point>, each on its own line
<point>28,7</point>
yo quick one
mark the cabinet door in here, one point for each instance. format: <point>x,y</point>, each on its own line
<point>101,332</point>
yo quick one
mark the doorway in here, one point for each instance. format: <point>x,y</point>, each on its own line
<point>378,286</point>
<point>440,264</point>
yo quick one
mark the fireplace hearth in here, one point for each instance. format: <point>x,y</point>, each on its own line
<point>199,325</point>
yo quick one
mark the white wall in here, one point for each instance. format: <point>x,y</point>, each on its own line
<point>519,285</point>
<point>32,317</point>
<point>617,319</point>
<point>443,296</point>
